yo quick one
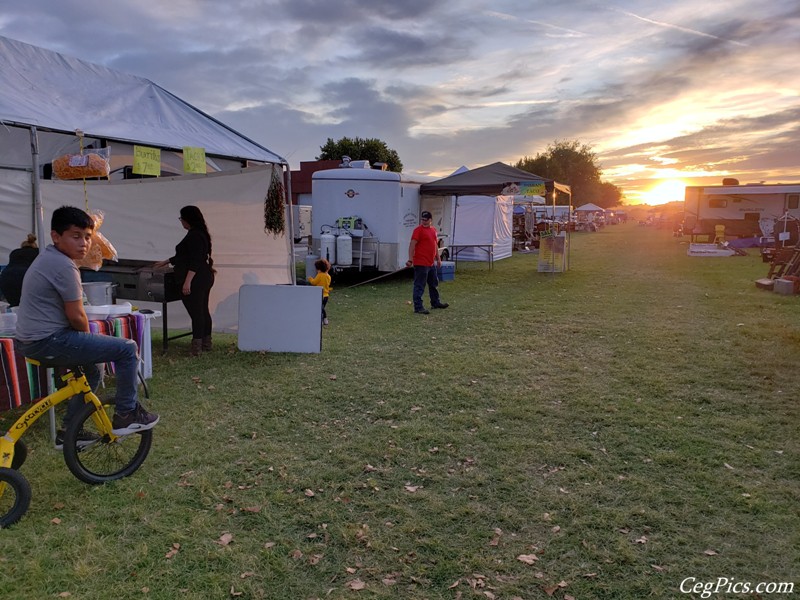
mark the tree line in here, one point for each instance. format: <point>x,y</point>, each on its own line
<point>566,161</point>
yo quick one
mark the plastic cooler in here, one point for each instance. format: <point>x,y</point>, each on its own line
<point>447,272</point>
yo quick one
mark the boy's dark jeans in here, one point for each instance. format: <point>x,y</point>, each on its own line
<point>70,348</point>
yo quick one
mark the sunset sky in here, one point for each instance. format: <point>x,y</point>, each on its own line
<point>666,92</point>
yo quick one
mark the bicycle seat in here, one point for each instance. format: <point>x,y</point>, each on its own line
<point>58,368</point>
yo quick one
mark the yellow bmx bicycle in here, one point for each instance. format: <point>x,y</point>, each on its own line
<point>92,451</point>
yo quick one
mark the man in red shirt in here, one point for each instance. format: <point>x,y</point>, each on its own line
<point>423,252</point>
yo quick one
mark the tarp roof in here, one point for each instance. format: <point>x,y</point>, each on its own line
<point>59,93</point>
<point>488,180</point>
<point>590,208</point>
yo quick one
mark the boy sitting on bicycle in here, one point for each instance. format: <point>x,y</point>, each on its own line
<point>52,326</point>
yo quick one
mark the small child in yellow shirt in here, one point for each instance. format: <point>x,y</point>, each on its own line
<point>323,280</point>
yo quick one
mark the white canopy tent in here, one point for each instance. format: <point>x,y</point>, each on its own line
<point>46,97</point>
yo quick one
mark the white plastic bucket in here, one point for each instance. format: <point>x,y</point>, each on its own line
<point>8,323</point>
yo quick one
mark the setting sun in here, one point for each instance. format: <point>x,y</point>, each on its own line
<point>666,190</point>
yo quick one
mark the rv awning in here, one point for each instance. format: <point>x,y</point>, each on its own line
<point>63,94</point>
<point>733,190</point>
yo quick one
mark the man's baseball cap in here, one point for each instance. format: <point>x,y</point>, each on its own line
<point>426,215</point>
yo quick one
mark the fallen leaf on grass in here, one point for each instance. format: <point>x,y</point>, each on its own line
<point>411,488</point>
<point>296,554</point>
<point>332,377</point>
<point>252,509</point>
<point>64,595</point>
<point>55,521</point>
<point>173,551</point>
<point>270,545</point>
<point>58,506</point>
<point>388,581</point>
<point>225,539</point>
<point>454,585</point>
<point>641,540</point>
<point>356,584</point>
<point>528,559</point>
<point>727,466</point>
<point>551,590</point>
<point>309,493</point>
<point>710,552</point>
<point>556,529</point>
<point>351,570</point>
<point>315,558</point>
<point>246,574</point>
<point>659,568</point>
<point>234,593</point>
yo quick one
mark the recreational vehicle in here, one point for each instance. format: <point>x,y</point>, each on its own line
<point>748,210</point>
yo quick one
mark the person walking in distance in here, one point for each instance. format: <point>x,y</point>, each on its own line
<point>423,255</point>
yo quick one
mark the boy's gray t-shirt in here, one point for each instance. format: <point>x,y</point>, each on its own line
<point>52,279</point>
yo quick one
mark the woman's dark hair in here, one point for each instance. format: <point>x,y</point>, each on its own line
<point>67,216</point>
<point>192,215</point>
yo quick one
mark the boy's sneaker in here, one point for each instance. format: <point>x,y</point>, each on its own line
<point>85,438</point>
<point>136,421</point>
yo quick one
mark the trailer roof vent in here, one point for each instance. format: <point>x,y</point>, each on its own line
<point>730,181</point>
<point>359,164</point>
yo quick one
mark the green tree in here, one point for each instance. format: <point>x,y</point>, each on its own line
<point>575,164</point>
<point>371,149</point>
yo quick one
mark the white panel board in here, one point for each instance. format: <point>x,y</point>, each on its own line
<point>280,318</point>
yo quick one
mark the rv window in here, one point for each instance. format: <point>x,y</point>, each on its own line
<point>717,203</point>
<point>752,216</point>
<point>793,201</point>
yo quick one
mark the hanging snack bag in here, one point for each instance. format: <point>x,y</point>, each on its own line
<point>100,249</point>
<point>92,163</point>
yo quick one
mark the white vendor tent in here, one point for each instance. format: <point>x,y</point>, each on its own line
<point>590,208</point>
<point>482,227</point>
<point>47,98</point>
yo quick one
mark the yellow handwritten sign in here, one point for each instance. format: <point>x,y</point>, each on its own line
<point>194,159</point>
<point>146,161</point>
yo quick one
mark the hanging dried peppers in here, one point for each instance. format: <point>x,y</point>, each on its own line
<point>274,215</point>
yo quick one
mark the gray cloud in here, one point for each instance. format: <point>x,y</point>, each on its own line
<point>472,82</point>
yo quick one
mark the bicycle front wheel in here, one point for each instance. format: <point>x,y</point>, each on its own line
<point>94,458</point>
<point>15,496</point>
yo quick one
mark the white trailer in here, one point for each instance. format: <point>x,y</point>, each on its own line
<point>376,210</point>
<point>745,210</point>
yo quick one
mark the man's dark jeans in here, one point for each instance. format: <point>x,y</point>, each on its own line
<point>423,275</point>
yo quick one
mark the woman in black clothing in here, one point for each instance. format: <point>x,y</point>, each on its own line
<point>194,267</point>
<point>18,262</point>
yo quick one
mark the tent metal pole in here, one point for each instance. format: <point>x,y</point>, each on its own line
<point>288,179</point>
<point>38,215</point>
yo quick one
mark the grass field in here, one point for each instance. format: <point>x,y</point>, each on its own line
<point>605,433</point>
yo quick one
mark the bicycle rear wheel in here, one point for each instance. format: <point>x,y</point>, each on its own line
<point>102,460</point>
<point>15,496</point>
